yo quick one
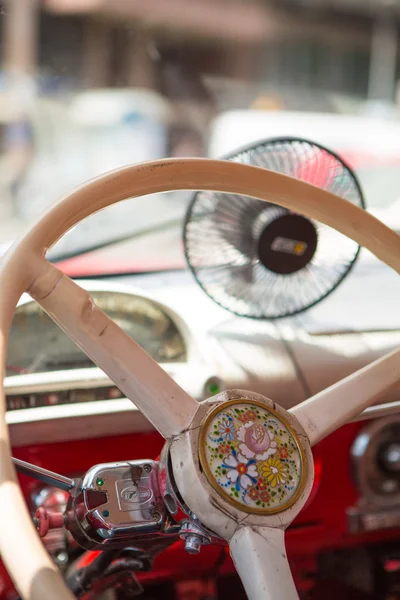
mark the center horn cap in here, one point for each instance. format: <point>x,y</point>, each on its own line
<point>252,457</point>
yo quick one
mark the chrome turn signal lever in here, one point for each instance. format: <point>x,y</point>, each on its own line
<point>48,477</point>
<point>114,505</point>
<point>119,504</point>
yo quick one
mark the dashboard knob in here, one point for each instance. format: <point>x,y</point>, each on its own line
<point>390,457</point>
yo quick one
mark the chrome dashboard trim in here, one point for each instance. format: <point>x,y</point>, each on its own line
<point>48,424</point>
<point>31,383</point>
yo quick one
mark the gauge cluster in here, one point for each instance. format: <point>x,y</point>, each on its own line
<point>38,345</point>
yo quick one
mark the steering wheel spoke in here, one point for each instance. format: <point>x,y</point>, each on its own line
<point>323,413</point>
<point>167,406</point>
<point>260,559</point>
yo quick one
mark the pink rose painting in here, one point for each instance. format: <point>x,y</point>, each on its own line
<point>257,441</point>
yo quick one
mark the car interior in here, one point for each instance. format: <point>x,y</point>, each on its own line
<point>199,315</point>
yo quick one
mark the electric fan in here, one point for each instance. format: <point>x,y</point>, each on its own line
<point>260,260</point>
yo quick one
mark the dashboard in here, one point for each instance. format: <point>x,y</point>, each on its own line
<point>54,393</point>
<point>65,414</point>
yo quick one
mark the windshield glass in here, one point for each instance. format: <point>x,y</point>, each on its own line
<point>90,86</point>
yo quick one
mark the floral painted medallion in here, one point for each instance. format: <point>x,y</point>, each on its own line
<point>251,456</point>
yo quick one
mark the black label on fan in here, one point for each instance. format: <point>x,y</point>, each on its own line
<point>287,244</point>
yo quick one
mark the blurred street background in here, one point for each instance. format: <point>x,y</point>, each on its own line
<point>91,85</point>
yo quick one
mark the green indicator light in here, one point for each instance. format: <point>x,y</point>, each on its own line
<point>100,481</point>
<point>214,388</point>
<point>105,513</point>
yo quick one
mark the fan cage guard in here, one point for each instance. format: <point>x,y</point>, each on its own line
<point>222,235</point>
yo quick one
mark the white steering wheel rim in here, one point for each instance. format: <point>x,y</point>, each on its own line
<point>24,269</point>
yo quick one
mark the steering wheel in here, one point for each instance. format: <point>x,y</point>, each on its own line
<point>220,449</point>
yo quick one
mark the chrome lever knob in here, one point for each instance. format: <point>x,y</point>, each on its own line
<point>45,521</point>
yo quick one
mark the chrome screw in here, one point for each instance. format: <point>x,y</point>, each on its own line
<point>195,537</point>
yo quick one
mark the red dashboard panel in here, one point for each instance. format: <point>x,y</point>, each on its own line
<point>322,524</point>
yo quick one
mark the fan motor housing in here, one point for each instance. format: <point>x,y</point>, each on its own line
<point>287,244</point>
